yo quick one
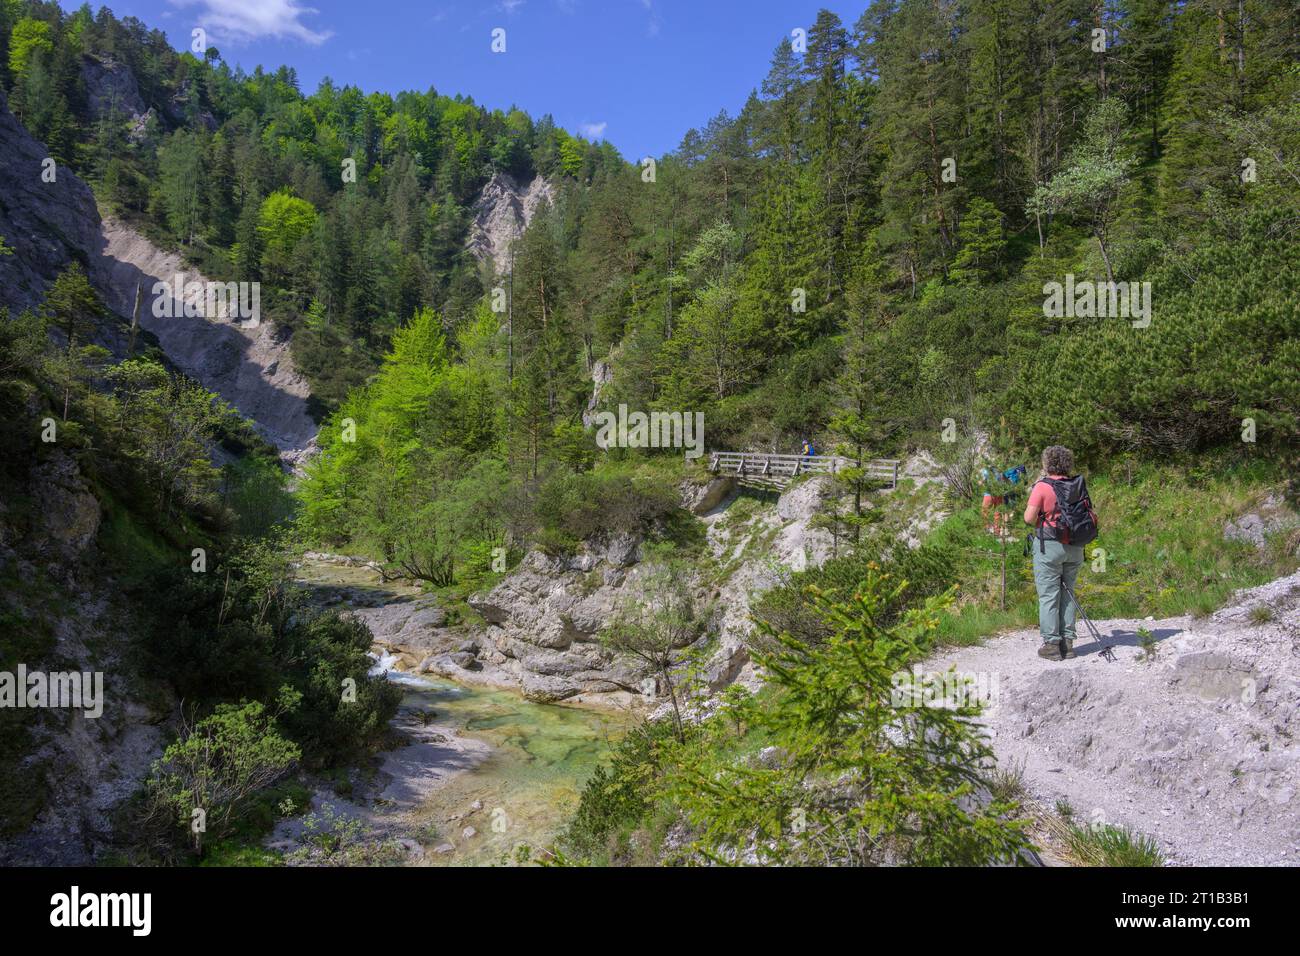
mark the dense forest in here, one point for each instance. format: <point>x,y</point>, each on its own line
<point>860,256</point>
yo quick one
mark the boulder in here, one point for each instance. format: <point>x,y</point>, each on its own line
<point>804,499</point>
<point>545,689</point>
<point>558,633</point>
<point>623,549</point>
<point>70,513</point>
<point>557,663</point>
<point>1255,527</point>
<point>700,499</point>
<point>463,660</point>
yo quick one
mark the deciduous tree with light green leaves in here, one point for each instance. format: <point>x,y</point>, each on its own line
<point>1094,175</point>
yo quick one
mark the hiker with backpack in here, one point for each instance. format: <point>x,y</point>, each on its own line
<point>1061,514</point>
<point>1001,492</point>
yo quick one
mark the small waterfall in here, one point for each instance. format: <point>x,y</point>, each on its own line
<point>386,666</point>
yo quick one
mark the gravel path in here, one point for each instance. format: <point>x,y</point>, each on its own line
<point>1196,748</point>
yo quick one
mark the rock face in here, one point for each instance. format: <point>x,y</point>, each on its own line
<point>47,224</point>
<point>111,89</point>
<point>79,763</point>
<point>545,621</point>
<point>602,373</point>
<point>757,552</point>
<point>71,512</point>
<point>700,499</point>
<point>502,213</point>
<point>51,224</point>
<point>251,368</point>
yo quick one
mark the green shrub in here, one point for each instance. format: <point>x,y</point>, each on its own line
<point>216,768</point>
<point>617,797</point>
<point>792,607</point>
<point>243,630</point>
<point>571,508</point>
<point>852,776</point>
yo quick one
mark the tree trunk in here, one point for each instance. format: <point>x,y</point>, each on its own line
<point>135,319</point>
<point>1105,257</point>
<point>672,695</point>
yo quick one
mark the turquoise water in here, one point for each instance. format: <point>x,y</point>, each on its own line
<point>530,784</point>
<point>541,754</point>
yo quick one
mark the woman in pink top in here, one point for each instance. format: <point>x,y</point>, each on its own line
<point>1056,560</point>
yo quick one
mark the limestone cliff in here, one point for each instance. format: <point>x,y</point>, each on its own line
<point>501,213</point>
<point>47,216</point>
<point>543,623</point>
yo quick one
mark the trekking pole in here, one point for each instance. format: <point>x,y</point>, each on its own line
<point>1106,650</point>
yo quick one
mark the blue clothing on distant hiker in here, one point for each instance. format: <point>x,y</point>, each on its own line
<point>1013,475</point>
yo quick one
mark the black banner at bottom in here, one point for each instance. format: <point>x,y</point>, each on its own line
<point>337,906</point>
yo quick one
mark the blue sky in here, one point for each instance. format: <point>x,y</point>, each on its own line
<point>639,73</point>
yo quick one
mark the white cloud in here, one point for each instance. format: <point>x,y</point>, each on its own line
<point>245,20</point>
<point>510,6</point>
<point>652,27</point>
<point>592,130</point>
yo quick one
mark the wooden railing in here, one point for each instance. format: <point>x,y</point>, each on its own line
<point>756,465</point>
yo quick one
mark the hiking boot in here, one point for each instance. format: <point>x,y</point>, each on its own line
<point>1067,650</point>
<point>1050,650</point>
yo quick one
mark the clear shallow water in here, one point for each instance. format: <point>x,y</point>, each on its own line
<point>530,783</point>
<point>541,754</point>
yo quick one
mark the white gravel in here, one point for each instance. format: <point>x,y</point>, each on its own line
<point>1196,748</point>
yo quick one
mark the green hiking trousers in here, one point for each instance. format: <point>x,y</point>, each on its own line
<point>1056,612</point>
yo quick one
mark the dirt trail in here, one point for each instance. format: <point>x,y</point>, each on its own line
<point>1196,747</point>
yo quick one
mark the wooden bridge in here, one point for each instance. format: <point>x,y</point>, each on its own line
<point>779,469</point>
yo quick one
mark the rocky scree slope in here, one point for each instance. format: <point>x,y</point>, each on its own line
<point>50,225</point>
<point>249,367</point>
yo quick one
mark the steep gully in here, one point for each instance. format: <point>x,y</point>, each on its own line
<point>480,770</point>
<point>490,748</point>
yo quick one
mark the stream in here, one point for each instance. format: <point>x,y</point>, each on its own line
<point>508,769</point>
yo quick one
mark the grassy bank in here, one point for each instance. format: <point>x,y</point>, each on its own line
<point>1161,552</point>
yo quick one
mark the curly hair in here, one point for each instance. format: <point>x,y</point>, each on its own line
<point>1058,460</point>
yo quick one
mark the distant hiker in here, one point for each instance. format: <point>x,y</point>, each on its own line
<point>1061,514</point>
<point>992,501</point>
<point>989,503</point>
<point>808,450</point>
